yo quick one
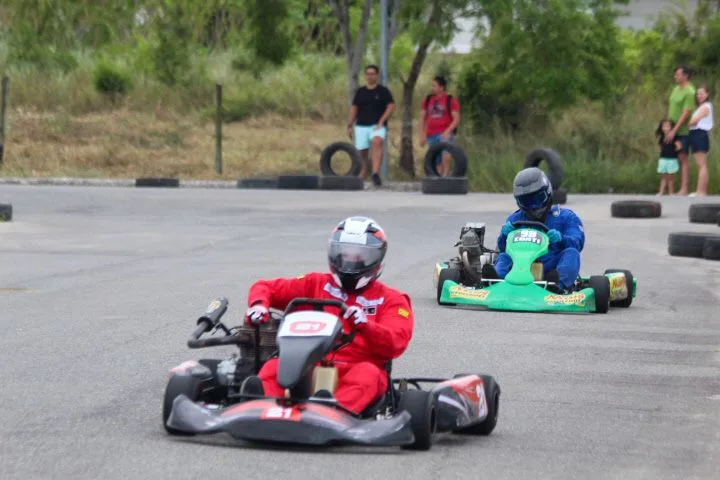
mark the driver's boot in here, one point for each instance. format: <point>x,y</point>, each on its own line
<point>253,386</point>
<point>554,277</point>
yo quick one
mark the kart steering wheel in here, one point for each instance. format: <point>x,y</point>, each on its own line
<point>532,224</point>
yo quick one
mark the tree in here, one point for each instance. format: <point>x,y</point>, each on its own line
<point>424,23</point>
<point>354,53</point>
<point>541,57</point>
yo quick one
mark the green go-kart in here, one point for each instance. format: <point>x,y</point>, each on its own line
<point>526,287</point>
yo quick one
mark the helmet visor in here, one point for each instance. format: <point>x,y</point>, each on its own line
<point>533,201</point>
<point>353,258</point>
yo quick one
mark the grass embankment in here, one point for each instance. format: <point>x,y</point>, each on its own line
<point>59,125</point>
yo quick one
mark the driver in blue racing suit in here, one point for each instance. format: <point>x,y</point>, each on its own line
<point>534,194</point>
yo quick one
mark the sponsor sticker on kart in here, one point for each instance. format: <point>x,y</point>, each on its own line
<point>527,236</point>
<point>618,286</point>
<point>457,291</point>
<point>213,306</point>
<point>308,324</point>
<point>577,298</point>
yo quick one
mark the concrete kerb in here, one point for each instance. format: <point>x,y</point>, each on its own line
<point>130,182</point>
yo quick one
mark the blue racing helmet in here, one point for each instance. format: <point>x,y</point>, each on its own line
<point>533,193</point>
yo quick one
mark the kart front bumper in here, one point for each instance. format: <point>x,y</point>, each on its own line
<point>307,424</point>
<point>502,295</point>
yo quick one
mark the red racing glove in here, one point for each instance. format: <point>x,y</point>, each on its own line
<point>256,315</point>
<point>357,316</point>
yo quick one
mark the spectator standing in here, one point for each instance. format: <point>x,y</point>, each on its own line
<point>439,118</point>
<point>680,106</point>
<point>367,126</point>
<point>700,124</point>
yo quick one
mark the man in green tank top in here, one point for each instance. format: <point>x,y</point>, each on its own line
<point>680,106</point>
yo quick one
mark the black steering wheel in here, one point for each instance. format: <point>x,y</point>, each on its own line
<point>532,224</point>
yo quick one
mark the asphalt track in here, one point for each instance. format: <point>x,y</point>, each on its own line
<point>100,287</point>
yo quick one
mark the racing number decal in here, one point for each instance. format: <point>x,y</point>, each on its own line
<point>530,236</point>
<point>281,413</point>
<point>306,327</point>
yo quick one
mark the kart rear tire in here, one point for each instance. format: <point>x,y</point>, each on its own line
<point>687,244</point>
<point>420,404</point>
<point>6,212</point>
<point>629,279</point>
<point>492,394</point>
<point>187,385</point>
<point>704,212</point>
<point>711,248</point>
<point>636,209</point>
<point>601,286</point>
<point>451,274</point>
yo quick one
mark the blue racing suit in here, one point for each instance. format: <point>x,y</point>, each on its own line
<point>563,256</point>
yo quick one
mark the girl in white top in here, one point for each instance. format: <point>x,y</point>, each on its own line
<point>700,124</point>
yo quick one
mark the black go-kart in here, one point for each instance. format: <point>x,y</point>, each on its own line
<point>208,396</point>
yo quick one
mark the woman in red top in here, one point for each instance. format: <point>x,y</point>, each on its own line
<point>440,116</point>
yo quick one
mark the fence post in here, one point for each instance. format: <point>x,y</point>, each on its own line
<point>218,129</point>
<point>3,114</point>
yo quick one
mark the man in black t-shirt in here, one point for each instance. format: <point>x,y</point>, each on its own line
<point>371,107</point>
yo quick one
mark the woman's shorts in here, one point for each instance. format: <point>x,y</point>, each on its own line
<point>699,141</point>
<point>668,165</point>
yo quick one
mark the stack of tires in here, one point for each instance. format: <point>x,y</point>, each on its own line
<point>556,175</point>
<point>456,182</point>
<point>698,244</point>
<point>329,180</point>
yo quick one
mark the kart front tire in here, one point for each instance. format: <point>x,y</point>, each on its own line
<point>601,286</point>
<point>180,385</point>
<point>420,404</point>
<point>629,279</point>
<point>492,395</point>
<point>449,273</point>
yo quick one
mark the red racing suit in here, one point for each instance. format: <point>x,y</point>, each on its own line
<point>361,365</point>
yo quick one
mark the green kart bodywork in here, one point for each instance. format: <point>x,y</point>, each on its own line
<point>521,291</point>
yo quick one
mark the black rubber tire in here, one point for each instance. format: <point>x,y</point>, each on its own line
<point>157,182</point>
<point>704,212</point>
<point>452,274</point>
<point>298,182</point>
<point>629,279</point>
<point>559,196</point>
<point>557,173</point>
<point>6,212</point>
<point>257,182</point>
<point>601,286</point>
<point>342,183</point>
<point>331,150</point>
<point>444,185</point>
<point>460,163</point>
<point>687,244</point>
<point>635,209</point>
<point>492,395</point>
<point>718,219</point>
<point>420,404</point>
<point>187,385</point>
<point>711,248</point>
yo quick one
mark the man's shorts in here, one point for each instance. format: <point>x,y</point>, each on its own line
<point>437,138</point>
<point>699,141</point>
<point>668,165</point>
<point>365,133</point>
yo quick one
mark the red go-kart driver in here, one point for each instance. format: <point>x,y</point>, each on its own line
<point>382,316</point>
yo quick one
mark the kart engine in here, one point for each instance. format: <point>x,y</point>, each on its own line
<point>471,249</point>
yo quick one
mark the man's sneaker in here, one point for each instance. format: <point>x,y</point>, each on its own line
<point>252,385</point>
<point>376,179</point>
